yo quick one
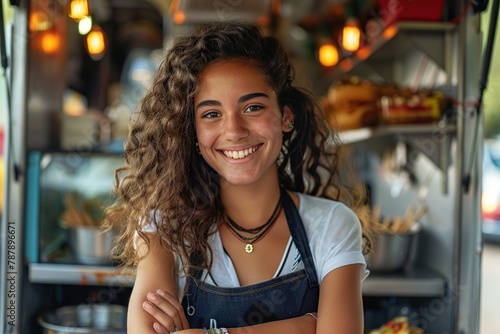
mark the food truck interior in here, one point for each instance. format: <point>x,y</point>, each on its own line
<point>404,90</point>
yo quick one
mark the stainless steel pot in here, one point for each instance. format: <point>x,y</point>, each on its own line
<point>393,252</point>
<point>91,244</point>
<point>85,318</point>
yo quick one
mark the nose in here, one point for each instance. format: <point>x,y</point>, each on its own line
<point>235,127</point>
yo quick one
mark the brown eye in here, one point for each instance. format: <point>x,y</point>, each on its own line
<point>254,108</point>
<point>210,114</point>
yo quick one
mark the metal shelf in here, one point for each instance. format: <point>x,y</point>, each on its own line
<point>78,275</point>
<point>357,135</point>
<point>416,282</point>
<point>433,140</point>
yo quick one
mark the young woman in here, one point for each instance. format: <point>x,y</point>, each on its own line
<point>231,206</point>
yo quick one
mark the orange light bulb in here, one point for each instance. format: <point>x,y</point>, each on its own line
<point>390,31</point>
<point>179,17</point>
<point>328,55</point>
<point>50,41</point>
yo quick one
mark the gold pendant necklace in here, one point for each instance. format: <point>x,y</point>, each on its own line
<point>249,248</point>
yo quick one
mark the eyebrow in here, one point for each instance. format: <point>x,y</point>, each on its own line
<point>244,98</point>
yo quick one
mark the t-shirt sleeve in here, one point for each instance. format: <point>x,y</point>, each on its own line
<point>336,239</point>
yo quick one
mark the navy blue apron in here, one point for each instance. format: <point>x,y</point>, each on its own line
<point>282,297</point>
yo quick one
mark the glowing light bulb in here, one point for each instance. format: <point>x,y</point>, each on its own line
<point>96,44</point>
<point>328,55</point>
<point>39,21</point>
<point>179,17</point>
<point>351,36</point>
<point>78,9</point>
<point>364,52</point>
<point>85,25</point>
<point>50,41</point>
<point>390,31</point>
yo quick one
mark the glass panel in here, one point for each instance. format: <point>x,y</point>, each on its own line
<point>76,186</point>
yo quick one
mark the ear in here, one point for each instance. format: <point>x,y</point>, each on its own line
<point>288,119</point>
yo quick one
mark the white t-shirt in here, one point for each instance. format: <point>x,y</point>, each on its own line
<point>334,234</point>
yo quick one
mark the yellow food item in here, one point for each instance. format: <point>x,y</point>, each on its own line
<point>352,104</point>
<point>398,325</point>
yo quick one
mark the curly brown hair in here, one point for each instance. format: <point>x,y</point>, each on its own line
<point>166,183</point>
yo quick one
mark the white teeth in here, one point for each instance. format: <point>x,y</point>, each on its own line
<point>240,154</point>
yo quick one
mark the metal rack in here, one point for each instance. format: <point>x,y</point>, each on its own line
<point>447,271</point>
<point>417,282</point>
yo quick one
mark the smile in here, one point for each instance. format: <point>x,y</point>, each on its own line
<point>240,154</point>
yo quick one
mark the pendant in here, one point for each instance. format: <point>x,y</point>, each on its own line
<point>249,248</point>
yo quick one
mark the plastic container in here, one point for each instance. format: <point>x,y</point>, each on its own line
<point>85,318</point>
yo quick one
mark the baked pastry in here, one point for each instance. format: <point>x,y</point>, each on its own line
<point>352,104</point>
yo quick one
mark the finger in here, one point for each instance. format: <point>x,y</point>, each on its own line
<point>170,307</point>
<point>183,323</point>
<point>159,316</point>
<point>159,329</point>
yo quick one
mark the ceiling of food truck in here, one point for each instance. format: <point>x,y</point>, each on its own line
<point>293,10</point>
<point>307,13</point>
<point>148,24</point>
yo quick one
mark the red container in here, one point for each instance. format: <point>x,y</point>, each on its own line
<point>411,10</point>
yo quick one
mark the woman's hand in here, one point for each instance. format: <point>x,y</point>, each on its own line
<point>166,310</point>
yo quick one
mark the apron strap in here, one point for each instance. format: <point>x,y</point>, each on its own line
<point>299,236</point>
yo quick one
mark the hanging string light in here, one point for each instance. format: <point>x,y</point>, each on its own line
<point>328,54</point>
<point>50,41</point>
<point>78,9</point>
<point>39,21</point>
<point>178,16</point>
<point>85,25</point>
<point>96,43</point>
<point>351,35</point>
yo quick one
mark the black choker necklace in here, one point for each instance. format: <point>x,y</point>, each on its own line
<point>259,231</point>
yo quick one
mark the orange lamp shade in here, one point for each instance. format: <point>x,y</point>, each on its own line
<point>78,9</point>
<point>328,55</point>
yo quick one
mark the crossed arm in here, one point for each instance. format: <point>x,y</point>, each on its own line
<point>154,306</point>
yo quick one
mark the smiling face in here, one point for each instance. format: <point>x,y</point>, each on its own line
<point>239,124</point>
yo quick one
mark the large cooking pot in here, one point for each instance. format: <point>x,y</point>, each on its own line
<point>85,318</point>
<point>91,244</point>
<point>392,251</point>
